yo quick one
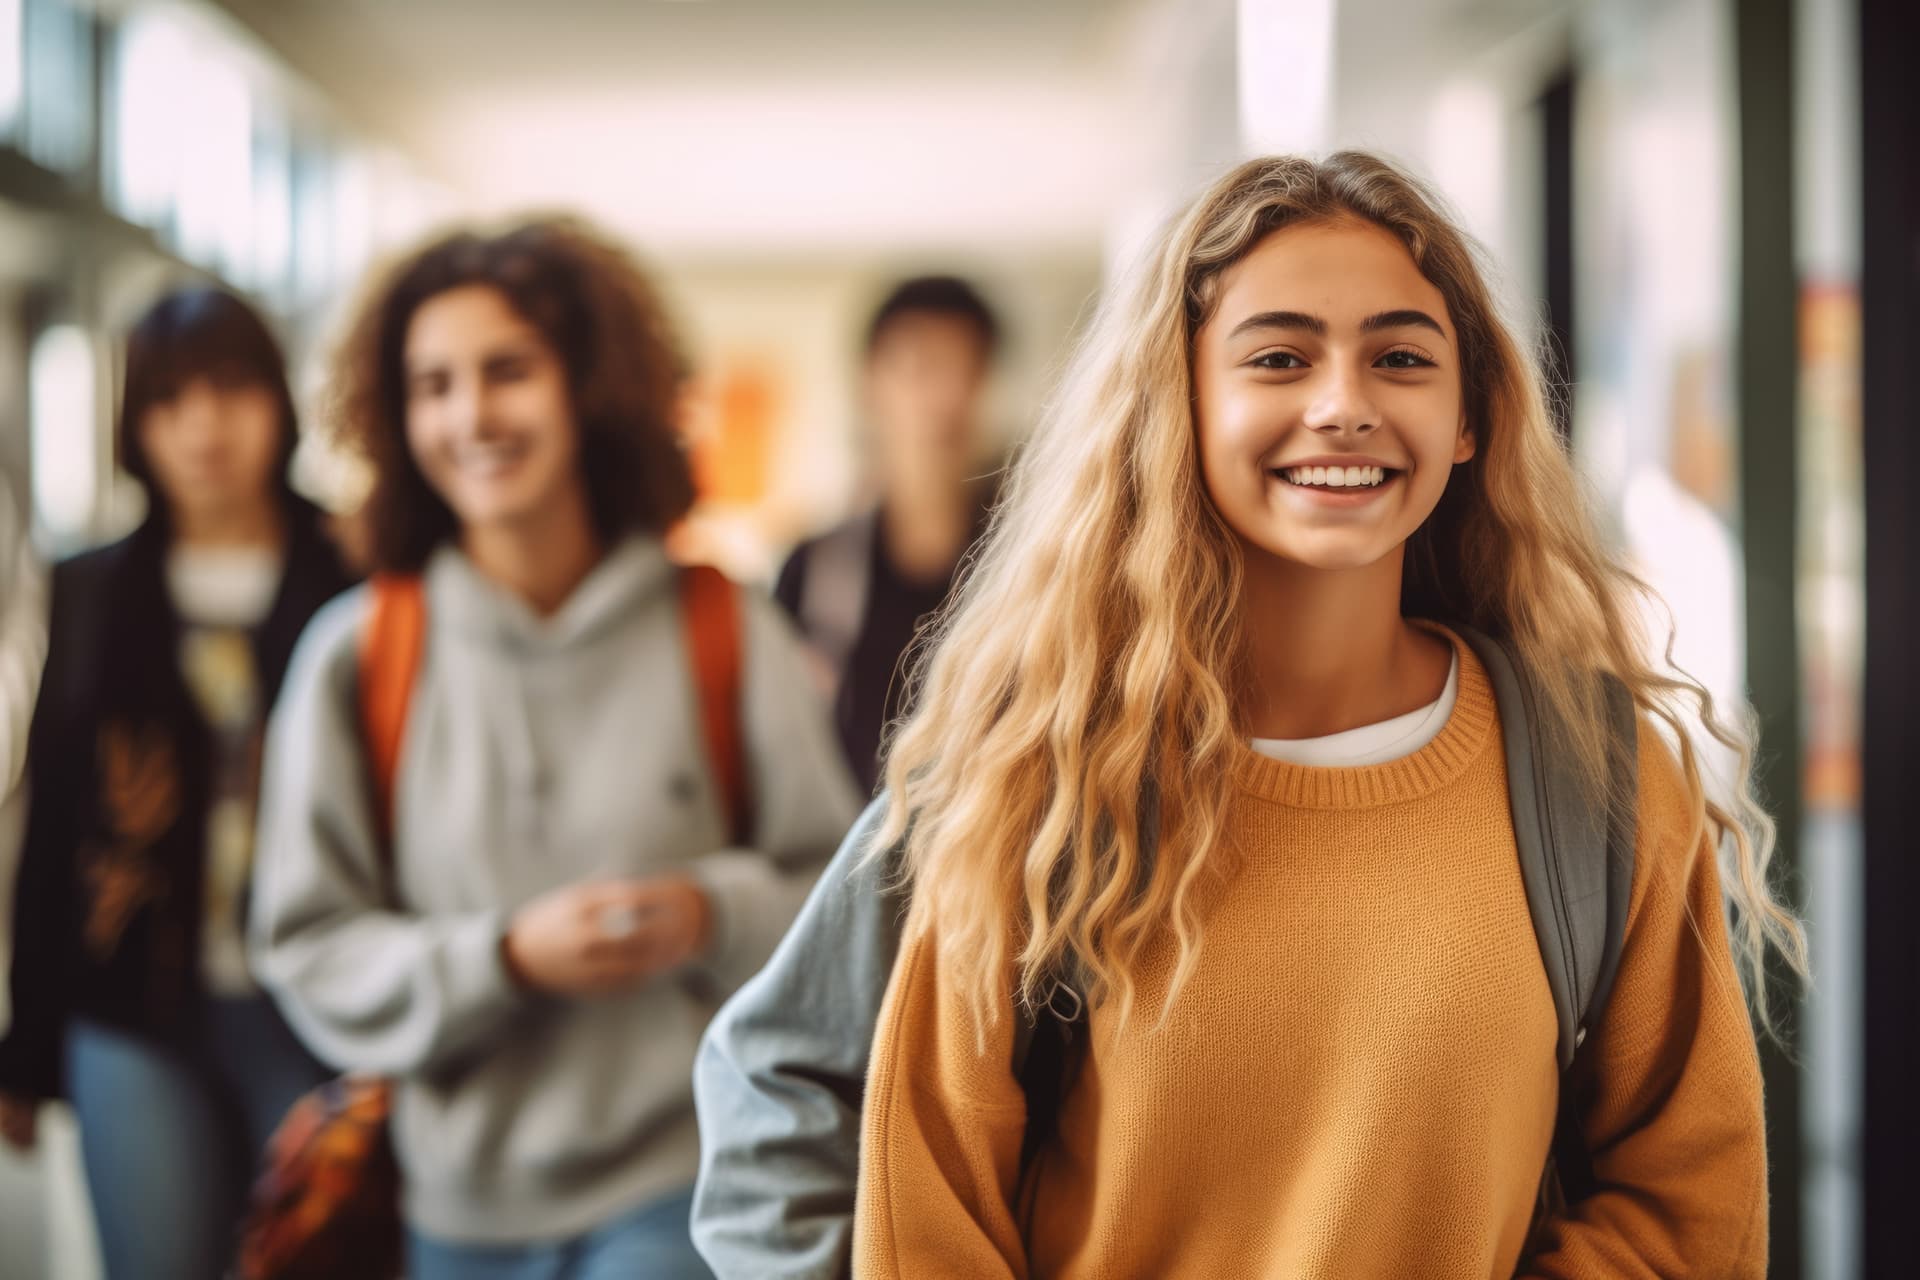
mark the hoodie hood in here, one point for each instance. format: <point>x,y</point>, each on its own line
<point>629,577</point>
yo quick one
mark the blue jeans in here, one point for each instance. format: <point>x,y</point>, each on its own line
<point>652,1243</point>
<point>171,1139</point>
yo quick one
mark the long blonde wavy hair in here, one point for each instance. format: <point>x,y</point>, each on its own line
<point>1062,782</point>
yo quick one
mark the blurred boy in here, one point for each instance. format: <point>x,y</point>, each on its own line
<point>859,591</point>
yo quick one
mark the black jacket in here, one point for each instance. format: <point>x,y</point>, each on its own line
<point>874,685</point>
<point>107,911</point>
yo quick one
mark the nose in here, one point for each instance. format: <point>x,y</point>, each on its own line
<point>463,406</point>
<point>198,417</point>
<point>196,406</point>
<point>1341,405</point>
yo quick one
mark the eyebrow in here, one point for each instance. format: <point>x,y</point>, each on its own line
<point>1405,318</point>
<point>514,348</point>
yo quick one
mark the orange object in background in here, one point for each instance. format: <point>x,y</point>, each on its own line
<point>732,416</point>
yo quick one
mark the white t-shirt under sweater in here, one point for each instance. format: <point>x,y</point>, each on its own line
<point>221,594</point>
<point>1371,743</point>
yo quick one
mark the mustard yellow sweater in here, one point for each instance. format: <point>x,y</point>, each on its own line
<point>1359,1079</point>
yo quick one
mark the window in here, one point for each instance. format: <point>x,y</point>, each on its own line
<point>152,57</point>
<point>272,264</point>
<point>65,431</point>
<point>12,67</point>
<point>56,39</point>
<point>183,142</point>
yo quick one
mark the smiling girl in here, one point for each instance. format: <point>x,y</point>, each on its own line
<point>1215,620</point>
<point>529,929</point>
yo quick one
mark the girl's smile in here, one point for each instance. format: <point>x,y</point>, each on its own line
<point>1336,481</point>
<point>1328,396</point>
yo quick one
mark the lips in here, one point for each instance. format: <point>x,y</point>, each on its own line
<point>489,458</point>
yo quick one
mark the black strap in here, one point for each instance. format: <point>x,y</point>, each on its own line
<point>1049,1042</point>
<point>1576,851</point>
<point>1041,1078</point>
<point>1048,1051</point>
<point>1576,859</point>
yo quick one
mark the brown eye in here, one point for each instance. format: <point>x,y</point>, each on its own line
<point>509,368</point>
<point>1402,358</point>
<point>425,386</point>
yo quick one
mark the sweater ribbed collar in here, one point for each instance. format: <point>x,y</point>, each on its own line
<point>1467,732</point>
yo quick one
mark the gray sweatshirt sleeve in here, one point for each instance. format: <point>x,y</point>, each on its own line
<point>803,799</point>
<point>369,988</point>
<point>780,1076</point>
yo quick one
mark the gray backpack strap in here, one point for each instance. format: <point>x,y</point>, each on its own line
<point>833,592</point>
<point>1576,856</point>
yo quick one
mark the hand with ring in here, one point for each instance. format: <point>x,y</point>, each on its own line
<point>607,935</point>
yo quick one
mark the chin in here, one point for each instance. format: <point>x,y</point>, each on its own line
<point>1337,564</point>
<point>498,497</point>
<point>1325,558</point>
<point>490,512</point>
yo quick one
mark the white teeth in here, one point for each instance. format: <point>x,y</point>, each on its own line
<point>1337,477</point>
<point>488,457</point>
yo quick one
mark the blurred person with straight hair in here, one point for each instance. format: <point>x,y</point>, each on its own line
<point>1291,624</point>
<point>132,994</point>
<point>860,590</point>
<point>526,925</point>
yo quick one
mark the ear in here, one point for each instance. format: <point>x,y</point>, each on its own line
<point>1464,444</point>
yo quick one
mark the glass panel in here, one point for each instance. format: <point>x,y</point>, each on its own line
<point>12,67</point>
<point>151,120</point>
<point>312,222</point>
<point>214,202</point>
<point>272,269</point>
<point>58,41</point>
<point>1654,415</point>
<point>65,434</point>
<point>183,142</point>
<point>352,215</point>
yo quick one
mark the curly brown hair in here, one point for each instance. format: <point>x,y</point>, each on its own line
<point>599,312</point>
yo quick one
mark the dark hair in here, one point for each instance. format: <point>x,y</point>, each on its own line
<point>200,332</point>
<point>941,296</point>
<point>596,309</point>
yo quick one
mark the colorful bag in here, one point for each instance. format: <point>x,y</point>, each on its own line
<point>327,1204</point>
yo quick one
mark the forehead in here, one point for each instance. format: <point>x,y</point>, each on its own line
<point>468,316</point>
<point>204,370</point>
<point>1342,272</point>
<point>920,332</point>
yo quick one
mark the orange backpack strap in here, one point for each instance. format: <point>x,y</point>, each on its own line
<point>390,649</point>
<point>710,611</point>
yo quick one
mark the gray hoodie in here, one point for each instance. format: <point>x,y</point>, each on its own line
<point>539,753</point>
